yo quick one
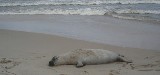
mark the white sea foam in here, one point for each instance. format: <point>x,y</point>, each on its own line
<point>83,11</point>
<point>133,1</point>
<point>133,18</point>
<point>78,2</point>
<point>131,11</point>
<point>86,11</point>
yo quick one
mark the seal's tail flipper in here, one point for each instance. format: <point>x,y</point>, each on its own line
<point>123,59</point>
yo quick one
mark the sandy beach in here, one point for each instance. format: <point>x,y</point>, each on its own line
<point>32,32</point>
<point>27,52</point>
<point>24,53</point>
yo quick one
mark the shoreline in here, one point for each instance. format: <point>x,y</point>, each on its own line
<point>105,15</point>
<point>28,53</point>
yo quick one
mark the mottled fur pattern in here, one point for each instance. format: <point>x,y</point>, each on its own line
<point>81,57</point>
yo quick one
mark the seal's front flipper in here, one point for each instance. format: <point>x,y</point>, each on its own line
<point>79,64</point>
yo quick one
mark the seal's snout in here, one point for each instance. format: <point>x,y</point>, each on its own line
<point>51,63</point>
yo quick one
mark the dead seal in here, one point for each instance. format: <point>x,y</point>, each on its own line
<point>82,57</point>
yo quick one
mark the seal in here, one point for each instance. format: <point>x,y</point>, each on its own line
<point>82,57</point>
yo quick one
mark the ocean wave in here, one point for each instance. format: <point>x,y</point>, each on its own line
<point>131,11</point>
<point>133,1</point>
<point>147,18</point>
<point>122,14</point>
<point>86,11</point>
<point>82,11</point>
<point>78,2</point>
<point>126,9</point>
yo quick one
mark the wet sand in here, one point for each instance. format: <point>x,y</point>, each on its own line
<point>101,29</point>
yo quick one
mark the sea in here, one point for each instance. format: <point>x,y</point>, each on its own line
<point>124,9</point>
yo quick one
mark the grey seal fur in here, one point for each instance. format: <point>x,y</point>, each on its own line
<point>82,57</point>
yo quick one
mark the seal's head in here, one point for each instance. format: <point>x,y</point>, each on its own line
<point>52,62</point>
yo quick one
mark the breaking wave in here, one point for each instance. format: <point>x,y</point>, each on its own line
<point>129,9</point>
<point>82,11</point>
<point>73,2</point>
<point>86,11</point>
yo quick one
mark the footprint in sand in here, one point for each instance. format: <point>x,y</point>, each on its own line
<point>5,61</point>
<point>39,57</point>
<point>114,72</point>
<point>85,72</point>
<point>62,74</point>
<point>149,67</point>
<point>6,64</point>
<point>145,70</point>
<point>145,67</point>
<point>157,69</point>
<point>158,62</point>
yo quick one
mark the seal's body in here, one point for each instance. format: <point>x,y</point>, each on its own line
<point>83,57</point>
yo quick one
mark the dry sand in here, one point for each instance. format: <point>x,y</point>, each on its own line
<point>25,53</point>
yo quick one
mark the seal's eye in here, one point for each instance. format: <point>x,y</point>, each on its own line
<point>51,63</point>
<point>54,58</point>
